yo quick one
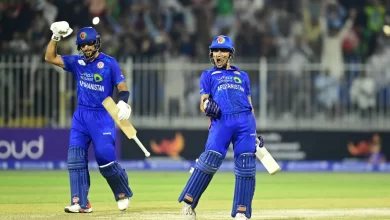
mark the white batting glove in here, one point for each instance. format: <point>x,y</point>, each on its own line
<point>60,29</point>
<point>124,110</point>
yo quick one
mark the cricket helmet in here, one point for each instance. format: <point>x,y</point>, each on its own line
<point>222,42</point>
<point>85,35</point>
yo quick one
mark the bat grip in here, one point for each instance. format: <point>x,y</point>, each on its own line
<point>135,138</point>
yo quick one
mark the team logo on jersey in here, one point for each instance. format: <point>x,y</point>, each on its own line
<point>220,40</point>
<point>83,35</point>
<point>237,79</point>
<point>97,77</point>
<point>236,72</point>
<point>100,65</point>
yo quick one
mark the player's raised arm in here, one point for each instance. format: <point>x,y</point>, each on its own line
<point>60,29</point>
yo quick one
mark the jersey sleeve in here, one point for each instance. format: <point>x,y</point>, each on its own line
<point>247,85</point>
<point>70,62</point>
<point>205,83</point>
<point>117,76</point>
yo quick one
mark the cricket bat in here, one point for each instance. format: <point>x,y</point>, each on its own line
<point>125,125</point>
<point>267,160</point>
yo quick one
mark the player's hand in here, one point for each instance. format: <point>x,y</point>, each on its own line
<point>60,29</point>
<point>260,141</point>
<point>211,108</point>
<point>124,110</point>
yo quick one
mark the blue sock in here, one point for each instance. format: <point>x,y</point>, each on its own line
<point>207,165</point>
<point>79,176</point>
<point>245,170</point>
<point>117,179</point>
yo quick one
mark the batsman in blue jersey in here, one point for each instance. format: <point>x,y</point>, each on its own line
<point>96,75</point>
<point>226,99</point>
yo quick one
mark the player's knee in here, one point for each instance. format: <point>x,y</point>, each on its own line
<point>77,158</point>
<point>248,148</point>
<point>110,169</point>
<point>105,154</point>
<point>209,162</point>
<point>245,165</point>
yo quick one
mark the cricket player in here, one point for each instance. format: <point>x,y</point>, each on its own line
<point>96,75</point>
<point>226,99</point>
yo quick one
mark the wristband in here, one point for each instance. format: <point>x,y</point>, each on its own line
<point>124,96</point>
<point>55,37</point>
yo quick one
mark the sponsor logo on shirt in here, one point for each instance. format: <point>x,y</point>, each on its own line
<point>86,76</point>
<point>97,77</point>
<point>92,77</point>
<point>81,62</point>
<point>237,79</point>
<point>225,79</point>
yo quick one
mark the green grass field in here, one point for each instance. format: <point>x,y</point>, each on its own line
<point>293,196</point>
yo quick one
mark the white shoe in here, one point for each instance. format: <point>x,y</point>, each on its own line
<point>123,204</point>
<point>240,216</point>
<point>188,212</point>
<point>76,208</point>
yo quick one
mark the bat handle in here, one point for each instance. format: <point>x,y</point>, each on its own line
<point>135,138</point>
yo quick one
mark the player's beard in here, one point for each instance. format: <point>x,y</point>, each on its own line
<point>89,54</point>
<point>221,62</point>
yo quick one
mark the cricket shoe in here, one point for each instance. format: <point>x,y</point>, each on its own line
<point>189,212</point>
<point>123,204</point>
<point>76,208</point>
<point>240,216</point>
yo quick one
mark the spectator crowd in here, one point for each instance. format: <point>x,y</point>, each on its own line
<point>333,33</point>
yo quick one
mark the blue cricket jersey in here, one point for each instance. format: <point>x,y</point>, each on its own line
<point>229,88</point>
<point>95,80</point>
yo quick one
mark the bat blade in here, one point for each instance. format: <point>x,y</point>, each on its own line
<point>125,125</point>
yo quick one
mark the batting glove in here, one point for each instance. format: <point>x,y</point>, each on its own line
<point>259,141</point>
<point>211,108</point>
<point>60,29</point>
<point>124,110</point>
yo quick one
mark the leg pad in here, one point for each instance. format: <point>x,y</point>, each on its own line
<point>207,165</point>
<point>78,175</point>
<point>245,171</point>
<point>117,178</point>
